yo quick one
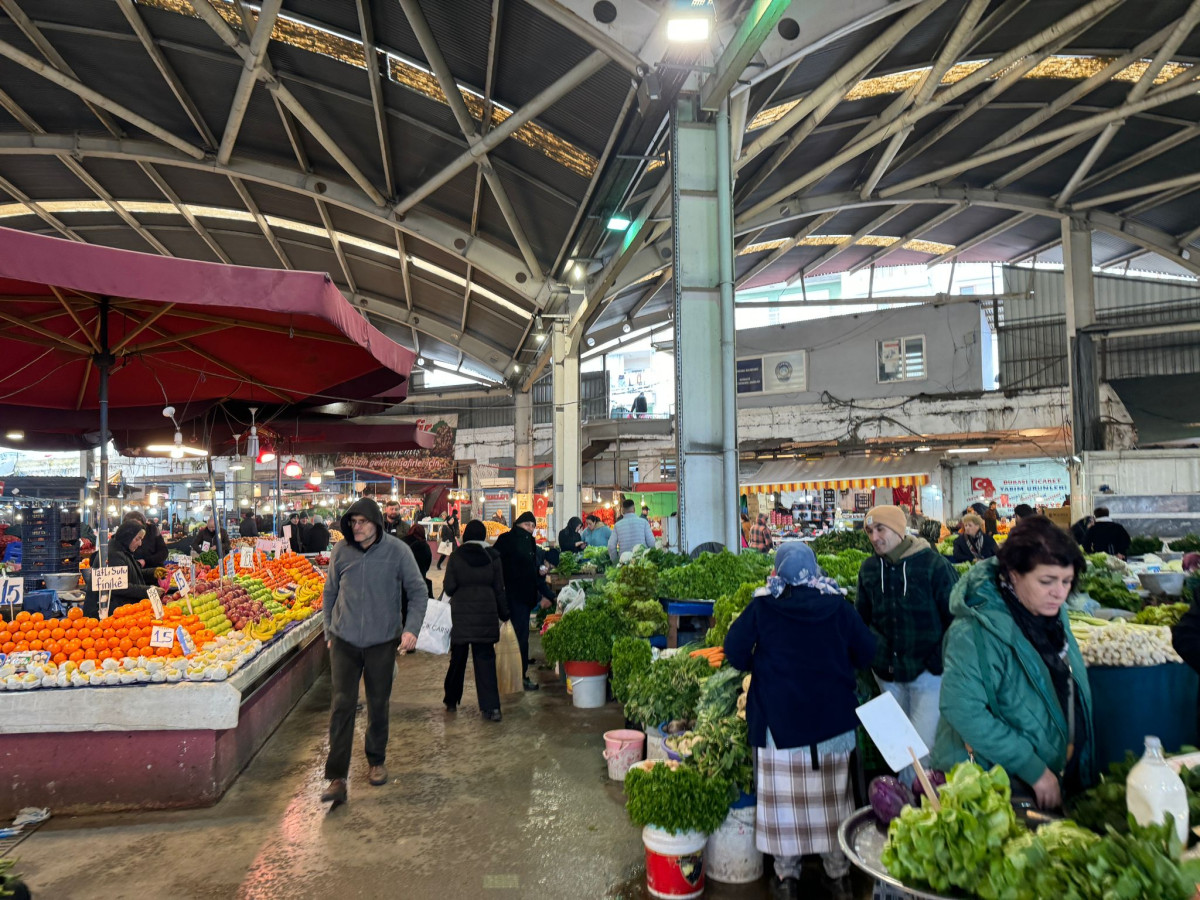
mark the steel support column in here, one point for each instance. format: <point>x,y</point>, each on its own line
<point>568,462</point>
<point>523,443</point>
<point>702,174</point>
<point>1083,365</point>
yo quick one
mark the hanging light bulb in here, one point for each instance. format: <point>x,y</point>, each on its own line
<point>265,455</point>
<point>293,469</point>
<point>314,478</point>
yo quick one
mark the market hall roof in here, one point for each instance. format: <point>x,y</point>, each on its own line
<point>328,143</point>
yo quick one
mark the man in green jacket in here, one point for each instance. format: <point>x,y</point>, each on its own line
<point>904,597</point>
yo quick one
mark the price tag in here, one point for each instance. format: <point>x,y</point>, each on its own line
<point>21,661</point>
<point>892,731</point>
<point>186,644</point>
<point>162,636</point>
<point>247,560</point>
<point>110,578</point>
<point>204,547</point>
<point>181,584</point>
<point>12,591</point>
<point>155,601</point>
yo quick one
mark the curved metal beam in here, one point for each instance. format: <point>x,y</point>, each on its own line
<point>497,262</point>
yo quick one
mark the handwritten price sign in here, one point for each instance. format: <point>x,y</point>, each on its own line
<point>247,558</point>
<point>110,579</point>
<point>162,636</point>
<point>12,591</point>
<point>155,601</point>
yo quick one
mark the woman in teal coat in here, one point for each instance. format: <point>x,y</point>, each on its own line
<point>1015,691</point>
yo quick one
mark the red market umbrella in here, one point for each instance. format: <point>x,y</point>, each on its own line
<point>93,328</point>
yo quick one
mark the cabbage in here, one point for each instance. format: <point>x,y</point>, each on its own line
<point>888,796</point>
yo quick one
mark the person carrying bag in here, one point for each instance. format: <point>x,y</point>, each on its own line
<point>475,585</point>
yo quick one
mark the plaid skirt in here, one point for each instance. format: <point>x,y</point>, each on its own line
<point>800,808</point>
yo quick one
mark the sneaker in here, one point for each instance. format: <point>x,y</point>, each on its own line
<point>378,775</point>
<point>531,685</point>
<point>492,715</point>
<point>336,792</point>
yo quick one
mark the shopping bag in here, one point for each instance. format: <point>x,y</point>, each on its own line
<point>572,597</point>
<point>445,548</point>
<point>508,661</point>
<point>435,628</point>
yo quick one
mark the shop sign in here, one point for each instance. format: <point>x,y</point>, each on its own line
<point>1032,483</point>
<point>435,464</point>
<point>773,373</point>
<point>750,376</point>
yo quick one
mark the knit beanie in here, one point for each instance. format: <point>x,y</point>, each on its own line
<point>890,517</point>
<point>526,517</point>
<point>475,531</point>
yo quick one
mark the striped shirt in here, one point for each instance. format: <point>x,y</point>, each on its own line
<point>630,531</point>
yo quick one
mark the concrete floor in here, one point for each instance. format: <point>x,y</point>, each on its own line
<point>521,808</point>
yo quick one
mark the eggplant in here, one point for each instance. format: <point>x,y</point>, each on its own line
<point>888,796</point>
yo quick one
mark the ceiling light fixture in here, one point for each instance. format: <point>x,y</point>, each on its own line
<point>314,478</point>
<point>14,435</point>
<point>689,21</point>
<point>178,449</point>
<point>968,449</point>
<point>293,469</point>
<point>235,467</point>
<point>922,449</point>
<point>618,222</point>
<point>626,327</point>
<point>266,455</point>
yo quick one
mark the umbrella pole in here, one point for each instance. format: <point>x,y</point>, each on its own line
<point>217,517</point>
<point>103,362</point>
<point>278,495</point>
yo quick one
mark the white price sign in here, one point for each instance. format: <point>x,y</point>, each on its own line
<point>162,636</point>
<point>181,584</point>
<point>12,591</point>
<point>247,560</point>
<point>110,579</point>
<point>155,601</point>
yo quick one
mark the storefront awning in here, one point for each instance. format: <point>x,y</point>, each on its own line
<point>835,473</point>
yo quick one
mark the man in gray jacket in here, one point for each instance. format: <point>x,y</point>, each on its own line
<point>369,571</point>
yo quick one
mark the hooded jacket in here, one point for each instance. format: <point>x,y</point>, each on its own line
<point>997,694</point>
<point>518,557</point>
<point>475,585</point>
<point>119,554</point>
<point>905,601</point>
<point>153,551</point>
<point>317,538</point>
<point>364,587</point>
<point>802,648</point>
<point>569,539</point>
<point>248,527</point>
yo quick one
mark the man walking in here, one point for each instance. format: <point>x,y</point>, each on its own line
<point>393,524</point>
<point>248,527</point>
<point>631,531</point>
<point>518,558</point>
<point>904,598</point>
<point>760,536</point>
<point>368,571</point>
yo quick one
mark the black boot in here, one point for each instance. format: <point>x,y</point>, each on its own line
<point>785,888</point>
<point>838,888</point>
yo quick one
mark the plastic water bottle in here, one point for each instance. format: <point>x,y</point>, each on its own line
<point>1153,789</point>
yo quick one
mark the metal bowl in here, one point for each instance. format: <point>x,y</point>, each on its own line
<point>61,581</point>
<point>1168,584</point>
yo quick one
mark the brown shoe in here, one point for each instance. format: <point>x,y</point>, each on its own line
<point>336,792</point>
<point>378,775</point>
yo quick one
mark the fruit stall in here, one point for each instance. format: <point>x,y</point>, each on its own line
<point>142,711</point>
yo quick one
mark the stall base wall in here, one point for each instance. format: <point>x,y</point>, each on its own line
<point>85,772</point>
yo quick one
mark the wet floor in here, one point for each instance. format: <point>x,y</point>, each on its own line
<point>521,808</point>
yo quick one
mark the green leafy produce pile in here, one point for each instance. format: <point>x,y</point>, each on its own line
<point>714,574</point>
<point>1140,546</point>
<point>722,750</point>
<point>208,558</point>
<point>1186,544</point>
<point>665,559</point>
<point>946,547</point>
<point>632,590</point>
<point>962,568</point>
<point>676,798</point>
<point>1167,614</point>
<point>728,608</point>
<point>584,635</point>
<point>568,564</point>
<point>837,541</point>
<point>843,567</point>
<point>598,557</point>
<point>718,694</point>
<point>1107,588</point>
<point>1103,806</point>
<point>668,689</point>
<point>631,658</point>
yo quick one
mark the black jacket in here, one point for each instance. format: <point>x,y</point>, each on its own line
<point>317,539</point>
<point>117,556</point>
<point>518,556</point>
<point>248,527</point>
<point>475,585</point>
<point>206,534</point>
<point>1107,537</point>
<point>153,551</point>
<point>421,553</point>
<point>962,549</point>
<point>569,539</point>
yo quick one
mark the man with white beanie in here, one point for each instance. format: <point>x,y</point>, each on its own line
<point>904,598</point>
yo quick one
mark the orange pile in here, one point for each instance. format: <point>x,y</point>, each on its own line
<point>76,638</point>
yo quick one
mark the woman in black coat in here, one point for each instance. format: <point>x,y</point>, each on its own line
<point>121,548</point>
<point>152,553</point>
<point>569,539</point>
<point>973,544</point>
<point>475,584</point>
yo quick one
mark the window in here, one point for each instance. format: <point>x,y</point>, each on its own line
<point>901,359</point>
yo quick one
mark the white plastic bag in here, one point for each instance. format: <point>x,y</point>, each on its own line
<point>571,597</point>
<point>435,628</point>
<point>445,548</point>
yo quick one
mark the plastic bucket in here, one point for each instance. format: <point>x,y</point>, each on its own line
<point>654,745</point>
<point>674,863</point>
<point>576,669</point>
<point>622,748</point>
<point>730,855</point>
<point>587,692</point>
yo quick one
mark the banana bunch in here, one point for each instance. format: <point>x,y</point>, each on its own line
<point>262,630</point>
<point>296,614</point>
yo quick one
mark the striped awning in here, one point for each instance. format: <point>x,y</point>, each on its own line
<point>835,473</point>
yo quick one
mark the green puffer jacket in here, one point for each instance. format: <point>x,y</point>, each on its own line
<point>997,694</point>
<point>906,604</point>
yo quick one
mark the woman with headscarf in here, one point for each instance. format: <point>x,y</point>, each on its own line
<point>419,545</point>
<point>475,586</point>
<point>121,549</point>
<point>569,539</point>
<point>973,543</point>
<point>802,642</point>
<point>448,535</point>
<point>153,551</point>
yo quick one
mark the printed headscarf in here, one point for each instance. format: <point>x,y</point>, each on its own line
<point>795,565</point>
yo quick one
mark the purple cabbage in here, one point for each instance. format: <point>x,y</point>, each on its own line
<point>936,777</point>
<point>888,796</point>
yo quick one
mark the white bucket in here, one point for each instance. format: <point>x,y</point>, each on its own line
<point>622,748</point>
<point>674,863</point>
<point>730,855</point>
<point>654,745</point>
<point>588,691</point>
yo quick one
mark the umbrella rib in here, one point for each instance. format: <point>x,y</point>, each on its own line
<point>75,318</point>
<point>87,373</point>
<point>260,326</point>
<point>146,323</point>
<point>172,339</point>
<point>223,365</point>
<point>59,341</point>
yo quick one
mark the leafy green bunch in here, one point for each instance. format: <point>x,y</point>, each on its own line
<point>676,798</point>
<point>726,609</point>
<point>1143,544</point>
<point>632,591</point>
<point>584,635</point>
<point>568,564</point>
<point>843,567</point>
<point>1186,544</point>
<point>668,689</point>
<point>715,574</point>
<point>665,559</point>
<point>722,750</point>
<point>631,658</point>
<point>1107,587</point>
<point>837,541</point>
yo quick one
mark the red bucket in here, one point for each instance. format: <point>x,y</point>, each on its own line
<point>577,669</point>
<point>674,863</point>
